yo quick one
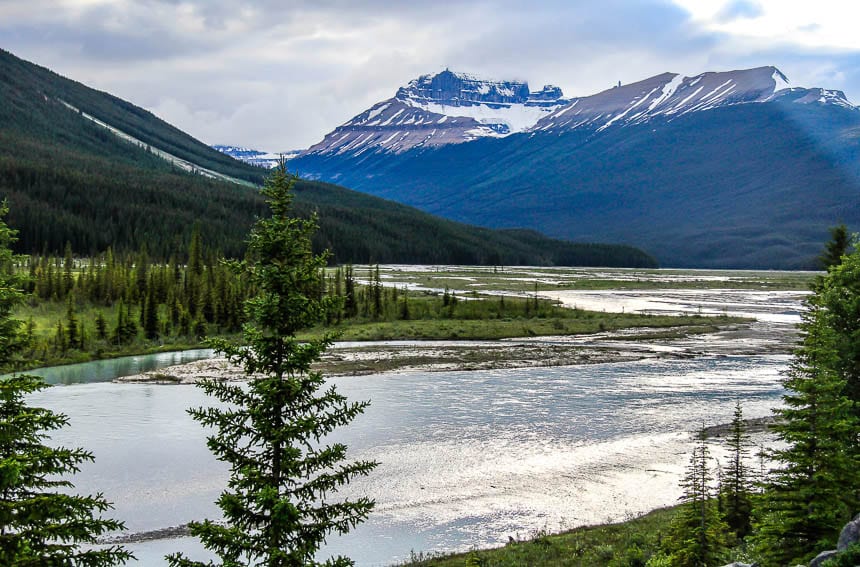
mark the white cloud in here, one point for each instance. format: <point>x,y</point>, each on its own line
<point>279,75</point>
<point>819,24</point>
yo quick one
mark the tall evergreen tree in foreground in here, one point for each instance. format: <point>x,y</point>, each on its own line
<point>272,432</point>
<point>41,524</point>
<point>812,492</point>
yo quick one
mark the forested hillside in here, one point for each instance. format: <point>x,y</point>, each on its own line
<point>68,179</point>
<point>752,185</point>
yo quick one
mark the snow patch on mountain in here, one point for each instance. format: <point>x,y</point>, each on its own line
<point>267,160</point>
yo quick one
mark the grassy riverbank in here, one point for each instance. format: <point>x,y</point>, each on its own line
<point>623,544</point>
<point>583,322</point>
<point>85,309</point>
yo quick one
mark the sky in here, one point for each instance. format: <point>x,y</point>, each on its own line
<point>278,75</point>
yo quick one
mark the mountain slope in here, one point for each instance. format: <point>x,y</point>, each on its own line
<point>719,170</point>
<point>69,177</point>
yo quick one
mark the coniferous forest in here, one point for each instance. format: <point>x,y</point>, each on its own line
<point>68,179</point>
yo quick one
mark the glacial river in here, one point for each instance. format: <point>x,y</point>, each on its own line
<point>467,459</point>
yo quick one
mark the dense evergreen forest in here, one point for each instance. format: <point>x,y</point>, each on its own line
<point>68,179</point>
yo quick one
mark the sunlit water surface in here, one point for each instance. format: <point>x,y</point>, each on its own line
<point>467,459</point>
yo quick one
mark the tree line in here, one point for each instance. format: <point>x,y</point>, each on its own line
<point>795,509</point>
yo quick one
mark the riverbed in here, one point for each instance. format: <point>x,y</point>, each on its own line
<point>467,458</point>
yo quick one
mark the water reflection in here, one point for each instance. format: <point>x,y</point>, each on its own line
<point>467,458</point>
<point>108,369</point>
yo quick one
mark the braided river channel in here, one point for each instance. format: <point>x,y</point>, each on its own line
<point>467,458</point>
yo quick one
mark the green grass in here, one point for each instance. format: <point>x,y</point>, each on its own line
<point>46,314</point>
<point>626,544</point>
<point>489,329</point>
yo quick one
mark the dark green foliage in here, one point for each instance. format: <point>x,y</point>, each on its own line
<point>736,487</point>
<point>850,557</point>
<point>698,535</point>
<point>811,495</point>
<point>41,524</point>
<point>839,296</point>
<point>836,247</point>
<point>11,284</point>
<point>277,509</point>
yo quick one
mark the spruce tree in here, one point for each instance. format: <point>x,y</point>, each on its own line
<point>41,523</point>
<point>736,489</point>
<point>277,505</point>
<point>809,496</point>
<point>836,247</point>
<point>698,534</point>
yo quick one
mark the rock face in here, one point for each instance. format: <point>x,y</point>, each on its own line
<point>442,109</point>
<point>822,557</point>
<point>849,534</point>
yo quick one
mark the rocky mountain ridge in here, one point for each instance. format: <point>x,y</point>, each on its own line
<point>451,108</point>
<point>441,109</point>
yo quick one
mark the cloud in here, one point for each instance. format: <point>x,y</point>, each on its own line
<point>279,75</point>
<point>739,9</point>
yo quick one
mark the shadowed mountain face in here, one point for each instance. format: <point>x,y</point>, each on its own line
<point>734,169</point>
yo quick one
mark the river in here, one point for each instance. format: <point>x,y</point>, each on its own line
<point>467,459</point>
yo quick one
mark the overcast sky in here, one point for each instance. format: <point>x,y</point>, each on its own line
<point>280,74</point>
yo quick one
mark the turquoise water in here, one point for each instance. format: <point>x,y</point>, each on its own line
<point>108,369</point>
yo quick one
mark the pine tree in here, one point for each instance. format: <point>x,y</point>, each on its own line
<point>150,318</point>
<point>101,326</point>
<point>698,533</point>
<point>72,325</point>
<point>276,507</point>
<point>41,523</point>
<point>836,247</point>
<point>736,487</point>
<point>810,495</point>
<point>350,303</point>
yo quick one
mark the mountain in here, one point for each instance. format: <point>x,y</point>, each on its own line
<point>266,160</point>
<point>728,169</point>
<point>437,110</point>
<point>81,166</point>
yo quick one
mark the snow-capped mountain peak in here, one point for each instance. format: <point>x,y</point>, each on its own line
<point>441,109</point>
<point>450,108</point>
<point>667,96</point>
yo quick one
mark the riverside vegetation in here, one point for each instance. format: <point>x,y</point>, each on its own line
<point>80,309</point>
